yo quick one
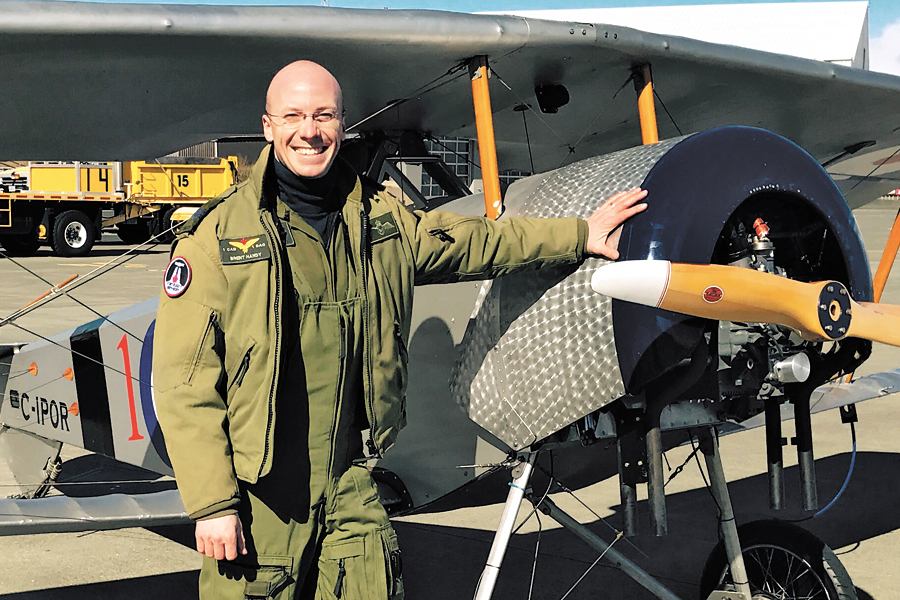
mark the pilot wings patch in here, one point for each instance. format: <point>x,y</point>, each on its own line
<point>384,227</point>
<point>245,249</point>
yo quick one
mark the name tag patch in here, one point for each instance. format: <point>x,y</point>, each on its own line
<point>243,250</point>
<point>384,227</point>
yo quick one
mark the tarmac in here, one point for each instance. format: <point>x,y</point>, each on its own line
<point>445,547</point>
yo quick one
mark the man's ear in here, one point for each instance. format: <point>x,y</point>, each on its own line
<point>267,128</point>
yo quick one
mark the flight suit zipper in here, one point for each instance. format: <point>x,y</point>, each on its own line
<point>442,235</point>
<point>398,335</point>
<point>210,324</point>
<point>339,584</point>
<point>367,349</point>
<point>338,395</point>
<point>242,370</point>
<point>276,262</point>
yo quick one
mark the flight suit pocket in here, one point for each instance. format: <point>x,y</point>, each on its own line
<point>183,343</point>
<point>367,568</point>
<point>266,577</point>
<point>271,579</point>
<point>342,571</point>
<point>393,563</point>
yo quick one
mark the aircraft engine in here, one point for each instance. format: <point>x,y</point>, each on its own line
<point>542,351</point>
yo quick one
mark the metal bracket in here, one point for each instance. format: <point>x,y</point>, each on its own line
<point>723,595</point>
<point>631,433</point>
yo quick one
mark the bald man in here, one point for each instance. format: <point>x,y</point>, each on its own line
<point>282,334</point>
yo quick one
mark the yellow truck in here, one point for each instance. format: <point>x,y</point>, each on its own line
<point>67,205</point>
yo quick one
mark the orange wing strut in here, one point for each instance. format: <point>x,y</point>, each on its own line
<point>884,267</point>
<point>887,259</point>
<point>484,126</point>
<point>643,85</point>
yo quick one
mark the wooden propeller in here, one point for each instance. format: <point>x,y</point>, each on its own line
<point>822,310</point>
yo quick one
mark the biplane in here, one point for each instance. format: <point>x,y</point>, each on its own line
<point>539,362</point>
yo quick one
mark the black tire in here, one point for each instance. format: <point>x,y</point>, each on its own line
<point>133,233</point>
<point>165,220</point>
<point>73,234</point>
<point>20,245</point>
<point>784,562</point>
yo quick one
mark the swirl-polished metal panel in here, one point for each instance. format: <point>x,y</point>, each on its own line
<point>539,351</point>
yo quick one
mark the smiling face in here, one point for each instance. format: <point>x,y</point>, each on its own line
<point>307,148</point>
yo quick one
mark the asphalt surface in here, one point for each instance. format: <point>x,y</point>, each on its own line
<point>445,547</point>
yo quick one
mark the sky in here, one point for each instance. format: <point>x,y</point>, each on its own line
<point>884,15</point>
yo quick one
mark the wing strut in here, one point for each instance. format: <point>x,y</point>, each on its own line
<point>484,126</point>
<point>887,259</point>
<point>643,85</point>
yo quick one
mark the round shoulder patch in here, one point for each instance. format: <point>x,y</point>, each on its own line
<point>178,277</point>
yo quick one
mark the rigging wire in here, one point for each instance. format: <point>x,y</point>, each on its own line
<point>878,166</point>
<point>534,507</point>
<point>437,141</point>
<point>563,488</point>
<point>602,110</point>
<point>593,564</point>
<point>663,104</point>
<point>534,511</point>
<point>64,291</point>
<point>522,101</point>
<point>100,270</point>
<point>527,138</point>
<point>571,147</point>
<point>76,353</point>
<point>680,467</point>
<point>420,91</point>
<point>537,548</point>
<point>597,116</point>
<point>705,480</point>
<point>37,387</point>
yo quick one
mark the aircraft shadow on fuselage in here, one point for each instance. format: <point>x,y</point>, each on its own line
<point>97,475</point>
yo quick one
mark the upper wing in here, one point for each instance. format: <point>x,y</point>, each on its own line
<point>107,81</point>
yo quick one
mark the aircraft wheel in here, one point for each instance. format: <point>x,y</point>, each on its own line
<point>73,234</point>
<point>784,562</point>
<point>20,245</point>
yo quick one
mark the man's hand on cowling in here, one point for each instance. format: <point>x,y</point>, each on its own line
<point>604,225</point>
<point>220,537</point>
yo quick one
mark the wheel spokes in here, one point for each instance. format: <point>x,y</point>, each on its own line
<point>780,574</point>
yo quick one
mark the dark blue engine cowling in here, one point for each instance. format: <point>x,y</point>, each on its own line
<point>730,171</point>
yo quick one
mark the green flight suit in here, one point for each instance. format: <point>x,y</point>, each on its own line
<point>261,391</point>
<point>359,558</point>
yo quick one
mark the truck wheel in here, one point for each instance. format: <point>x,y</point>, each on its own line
<point>165,222</point>
<point>73,234</point>
<point>20,245</point>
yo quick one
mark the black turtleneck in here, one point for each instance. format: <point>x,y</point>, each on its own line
<point>314,200</point>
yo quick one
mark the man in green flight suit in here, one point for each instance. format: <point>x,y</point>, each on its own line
<point>281,334</point>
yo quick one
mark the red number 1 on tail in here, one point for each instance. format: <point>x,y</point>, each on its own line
<point>129,383</point>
